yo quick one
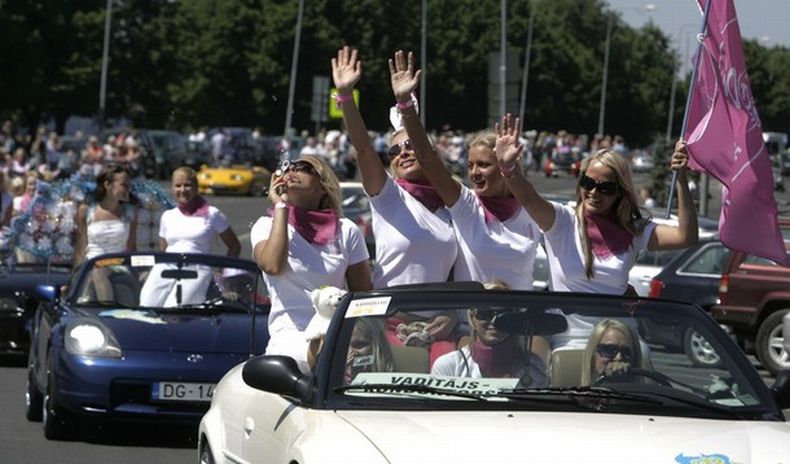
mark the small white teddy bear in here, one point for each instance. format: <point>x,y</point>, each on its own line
<point>325,300</point>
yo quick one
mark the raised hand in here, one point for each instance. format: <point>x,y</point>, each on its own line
<point>278,188</point>
<point>346,70</point>
<point>680,157</point>
<point>403,76</point>
<point>508,151</point>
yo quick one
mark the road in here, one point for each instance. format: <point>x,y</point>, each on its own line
<point>22,441</point>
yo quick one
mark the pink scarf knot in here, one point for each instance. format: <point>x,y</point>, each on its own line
<point>498,360</point>
<point>197,206</point>
<point>424,192</point>
<point>498,208</point>
<point>316,226</point>
<point>607,238</point>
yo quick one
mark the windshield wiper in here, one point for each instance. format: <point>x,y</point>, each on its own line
<point>699,403</point>
<point>408,388</point>
<point>575,393</point>
<point>105,304</point>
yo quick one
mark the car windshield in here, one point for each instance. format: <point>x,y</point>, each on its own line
<point>173,282</point>
<point>537,351</point>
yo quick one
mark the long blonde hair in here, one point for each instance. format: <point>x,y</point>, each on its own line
<point>627,212</point>
<point>588,358</point>
<point>328,179</point>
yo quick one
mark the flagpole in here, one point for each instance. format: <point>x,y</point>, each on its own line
<point>703,30</point>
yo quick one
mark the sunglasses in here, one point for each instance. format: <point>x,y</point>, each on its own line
<point>485,315</point>
<point>609,351</point>
<point>604,188</point>
<point>396,149</point>
<point>298,166</point>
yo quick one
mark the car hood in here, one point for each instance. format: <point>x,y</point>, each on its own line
<point>505,437</point>
<point>182,331</point>
<point>227,171</point>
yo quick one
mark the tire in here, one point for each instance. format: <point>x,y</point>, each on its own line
<point>58,423</point>
<point>768,345</point>
<point>34,399</point>
<point>205,454</point>
<point>699,351</point>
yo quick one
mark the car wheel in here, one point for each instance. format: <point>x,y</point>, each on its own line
<point>699,351</point>
<point>205,454</point>
<point>34,400</point>
<point>768,346</point>
<point>57,423</point>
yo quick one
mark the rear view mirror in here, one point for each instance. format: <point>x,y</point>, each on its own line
<point>179,274</point>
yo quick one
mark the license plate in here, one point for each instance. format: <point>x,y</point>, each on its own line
<point>178,391</point>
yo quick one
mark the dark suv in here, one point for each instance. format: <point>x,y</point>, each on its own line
<point>755,295</point>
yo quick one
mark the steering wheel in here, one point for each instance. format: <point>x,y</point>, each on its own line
<point>657,377</point>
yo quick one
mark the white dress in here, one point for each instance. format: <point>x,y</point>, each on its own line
<point>107,236</point>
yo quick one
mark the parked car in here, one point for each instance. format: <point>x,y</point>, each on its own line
<point>234,179</point>
<point>129,353</point>
<point>169,149</point>
<point>369,400</point>
<point>239,147</point>
<point>18,300</point>
<point>569,162</point>
<point>755,296</point>
<point>693,277</point>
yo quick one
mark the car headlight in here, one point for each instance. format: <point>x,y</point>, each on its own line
<point>86,338</point>
<point>203,176</point>
<point>238,177</point>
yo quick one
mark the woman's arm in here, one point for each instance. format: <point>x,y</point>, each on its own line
<point>358,277</point>
<point>80,241</point>
<point>162,244</point>
<point>508,154</point>
<point>404,81</point>
<point>231,241</point>
<point>131,243</point>
<point>270,254</point>
<point>666,237</point>
<point>346,71</point>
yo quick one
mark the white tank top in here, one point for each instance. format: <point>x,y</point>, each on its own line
<point>108,236</point>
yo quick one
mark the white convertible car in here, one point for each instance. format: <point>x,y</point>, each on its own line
<point>517,377</point>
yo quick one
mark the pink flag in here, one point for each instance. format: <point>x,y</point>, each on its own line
<point>724,136</point>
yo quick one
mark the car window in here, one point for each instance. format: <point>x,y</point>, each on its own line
<point>711,260</point>
<point>752,259</point>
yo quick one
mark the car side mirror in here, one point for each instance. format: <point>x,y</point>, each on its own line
<point>781,388</point>
<point>276,374</point>
<point>48,293</point>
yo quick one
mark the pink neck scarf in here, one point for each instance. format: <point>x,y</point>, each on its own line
<point>497,360</point>
<point>499,208</point>
<point>316,226</point>
<point>197,206</point>
<point>425,193</point>
<point>607,238</point>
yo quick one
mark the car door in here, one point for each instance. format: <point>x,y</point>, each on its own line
<point>270,424</point>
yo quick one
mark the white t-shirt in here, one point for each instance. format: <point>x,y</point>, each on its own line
<point>309,266</point>
<point>459,363</point>
<point>498,250</point>
<point>191,234</point>
<point>413,244</point>
<point>566,258</point>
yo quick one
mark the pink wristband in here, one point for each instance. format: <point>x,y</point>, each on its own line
<point>405,104</point>
<point>507,172</point>
<point>340,98</point>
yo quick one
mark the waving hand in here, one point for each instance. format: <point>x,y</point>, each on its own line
<point>403,76</point>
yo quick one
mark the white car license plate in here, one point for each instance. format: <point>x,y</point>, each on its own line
<point>177,391</point>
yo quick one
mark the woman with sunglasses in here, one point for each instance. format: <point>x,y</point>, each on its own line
<point>497,239</point>
<point>413,230</point>
<point>304,244</point>
<point>591,247</point>
<point>493,353</point>
<point>612,349</point>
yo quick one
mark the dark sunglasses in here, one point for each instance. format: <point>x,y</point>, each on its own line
<point>298,166</point>
<point>485,315</point>
<point>604,188</point>
<point>609,351</point>
<point>396,149</point>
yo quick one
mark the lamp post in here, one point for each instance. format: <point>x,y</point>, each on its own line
<point>294,64</point>
<point>673,90</point>
<point>423,60</point>
<point>605,75</point>
<point>527,59</point>
<point>104,61</point>
<point>503,59</point>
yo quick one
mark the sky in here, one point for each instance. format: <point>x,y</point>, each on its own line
<point>764,20</point>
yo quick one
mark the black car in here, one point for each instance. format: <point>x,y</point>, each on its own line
<point>18,301</point>
<point>693,277</point>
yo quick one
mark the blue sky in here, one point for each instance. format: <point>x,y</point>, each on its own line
<point>765,20</point>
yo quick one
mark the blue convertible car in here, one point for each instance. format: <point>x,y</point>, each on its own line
<point>142,336</point>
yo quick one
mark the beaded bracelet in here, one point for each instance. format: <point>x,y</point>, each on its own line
<point>342,98</point>
<point>405,104</point>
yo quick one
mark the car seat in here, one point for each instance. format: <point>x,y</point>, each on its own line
<point>125,288</point>
<point>566,367</point>
<point>410,359</point>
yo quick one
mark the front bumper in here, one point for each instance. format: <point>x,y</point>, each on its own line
<point>121,388</point>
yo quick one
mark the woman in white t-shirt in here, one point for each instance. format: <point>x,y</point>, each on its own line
<point>497,239</point>
<point>305,244</point>
<point>591,247</point>
<point>414,234</point>
<point>190,227</point>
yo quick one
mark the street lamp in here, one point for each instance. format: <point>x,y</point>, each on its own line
<point>527,59</point>
<point>423,59</point>
<point>671,115</point>
<point>294,64</point>
<point>602,111</point>
<point>104,61</point>
<point>503,59</point>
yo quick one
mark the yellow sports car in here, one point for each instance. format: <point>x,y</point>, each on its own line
<point>239,180</point>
